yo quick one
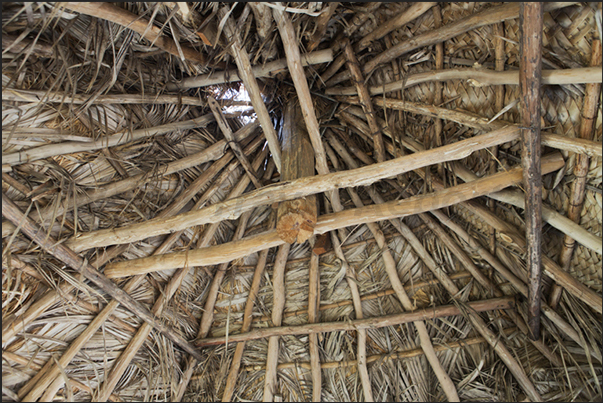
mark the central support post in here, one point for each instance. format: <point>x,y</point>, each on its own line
<point>296,218</point>
<point>530,72</point>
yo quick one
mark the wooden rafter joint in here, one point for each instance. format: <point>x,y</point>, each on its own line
<point>296,218</point>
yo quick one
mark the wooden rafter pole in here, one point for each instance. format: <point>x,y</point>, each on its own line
<point>486,17</point>
<point>278,306</point>
<point>530,67</point>
<point>246,73</point>
<point>231,209</point>
<point>313,304</point>
<point>289,39</point>
<point>578,188</point>
<point>332,221</point>
<point>367,323</point>
<point>365,100</point>
<point>51,382</point>
<point>70,258</point>
<point>577,145</point>
<point>247,322</point>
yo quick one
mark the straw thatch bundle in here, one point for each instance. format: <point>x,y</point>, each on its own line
<point>436,165</point>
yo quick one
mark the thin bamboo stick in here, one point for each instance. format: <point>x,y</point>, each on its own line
<point>19,95</point>
<point>247,322</point>
<point>486,17</point>
<point>578,188</point>
<point>399,355</point>
<point>67,256</point>
<point>269,69</point>
<point>289,39</point>
<point>123,137</point>
<point>358,324</point>
<point>499,104</point>
<point>293,189</point>
<point>350,275</point>
<point>329,222</point>
<point>246,73</point>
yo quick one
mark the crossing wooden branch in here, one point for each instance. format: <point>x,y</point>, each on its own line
<point>232,142</point>
<point>11,212</point>
<point>231,209</point>
<point>367,323</point>
<point>329,222</point>
<point>246,73</point>
<point>291,46</point>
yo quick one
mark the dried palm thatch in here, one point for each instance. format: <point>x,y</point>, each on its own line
<point>139,133</point>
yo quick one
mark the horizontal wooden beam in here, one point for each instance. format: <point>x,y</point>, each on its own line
<point>488,16</point>
<point>358,324</point>
<point>267,70</point>
<point>479,78</point>
<point>329,222</point>
<point>231,209</point>
<point>577,145</point>
<point>122,137</point>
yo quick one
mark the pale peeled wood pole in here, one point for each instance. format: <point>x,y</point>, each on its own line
<point>296,218</point>
<point>332,221</point>
<point>578,189</point>
<point>231,209</point>
<point>530,67</point>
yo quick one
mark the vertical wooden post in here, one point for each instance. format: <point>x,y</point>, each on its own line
<point>296,218</point>
<point>587,129</point>
<point>530,66</point>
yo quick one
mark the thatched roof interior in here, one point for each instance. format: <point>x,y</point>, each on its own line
<point>118,164</point>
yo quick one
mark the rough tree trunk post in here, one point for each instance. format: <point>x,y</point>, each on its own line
<point>530,67</point>
<point>578,189</point>
<point>296,218</point>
